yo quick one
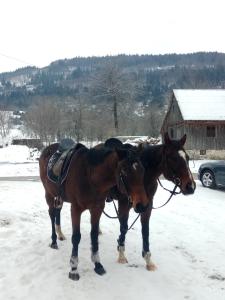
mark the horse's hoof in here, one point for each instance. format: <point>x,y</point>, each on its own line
<point>151,267</point>
<point>122,260</point>
<point>99,269</point>
<point>74,276</point>
<point>62,238</point>
<point>54,246</point>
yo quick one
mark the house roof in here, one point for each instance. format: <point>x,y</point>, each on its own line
<point>207,105</point>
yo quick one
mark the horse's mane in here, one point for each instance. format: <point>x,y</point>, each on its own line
<point>97,156</point>
<point>151,155</point>
<point>113,143</point>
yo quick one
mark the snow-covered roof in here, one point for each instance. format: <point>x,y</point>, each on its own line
<point>207,105</point>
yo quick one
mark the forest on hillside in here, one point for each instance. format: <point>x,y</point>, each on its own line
<point>124,94</point>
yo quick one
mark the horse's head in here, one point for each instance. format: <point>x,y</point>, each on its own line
<point>130,179</point>
<point>176,164</point>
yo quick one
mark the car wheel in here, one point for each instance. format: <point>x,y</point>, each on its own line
<point>208,179</point>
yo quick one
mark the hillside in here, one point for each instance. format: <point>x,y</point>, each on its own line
<point>151,77</point>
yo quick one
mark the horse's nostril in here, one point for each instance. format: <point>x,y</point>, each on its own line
<point>189,188</point>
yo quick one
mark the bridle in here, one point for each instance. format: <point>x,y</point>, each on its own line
<point>122,183</point>
<point>175,179</point>
<point>170,171</point>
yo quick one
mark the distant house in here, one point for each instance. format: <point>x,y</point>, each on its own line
<point>201,115</point>
<point>31,143</point>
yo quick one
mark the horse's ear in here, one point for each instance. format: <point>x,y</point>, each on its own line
<point>167,139</point>
<point>183,140</point>
<point>121,153</point>
<point>78,146</point>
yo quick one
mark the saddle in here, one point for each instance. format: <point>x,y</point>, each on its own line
<point>59,162</point>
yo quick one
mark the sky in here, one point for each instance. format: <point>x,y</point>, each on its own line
<point>37,32</point>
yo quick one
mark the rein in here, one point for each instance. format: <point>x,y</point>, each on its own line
<point>117,216</point>
<point>129,201</point>
<point>173,193</point>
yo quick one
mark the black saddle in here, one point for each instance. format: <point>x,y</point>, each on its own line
<point>59,162</point>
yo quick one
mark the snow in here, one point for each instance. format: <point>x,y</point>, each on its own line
<point>186,236</point>
<point>201,104</point>
<point>18,160</point>
<point>187,244</point>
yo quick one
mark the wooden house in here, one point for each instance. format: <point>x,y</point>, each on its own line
<point>201,115</point>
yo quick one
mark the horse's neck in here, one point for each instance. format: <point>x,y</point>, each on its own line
<point>103,176</point>
<point>152,159</point>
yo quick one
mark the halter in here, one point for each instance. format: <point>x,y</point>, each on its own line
<point>125,187</point>
<point>176,181</point>
<point>172,175</point>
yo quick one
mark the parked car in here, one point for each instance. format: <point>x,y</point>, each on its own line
<point>212,174</point>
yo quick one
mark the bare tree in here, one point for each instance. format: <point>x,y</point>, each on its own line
<point>152,120</point>
<point>43,120</point>
<point>111,85</point>
<point>72,119</point>
<point>5,123</point>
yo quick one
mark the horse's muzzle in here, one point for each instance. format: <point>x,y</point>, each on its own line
<point>189,189</point>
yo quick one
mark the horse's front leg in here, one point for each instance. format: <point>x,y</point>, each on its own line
<point>76,236</point>
<point>145,217</point>
<point>95,217</point>
<point>123,210</point>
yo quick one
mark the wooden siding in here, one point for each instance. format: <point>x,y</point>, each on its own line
<point>196,130</point>
<point>197,139</point>
<point>173,117</point>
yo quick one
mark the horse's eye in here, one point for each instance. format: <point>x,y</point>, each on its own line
<point>123,172</point>
<point>135,166</point>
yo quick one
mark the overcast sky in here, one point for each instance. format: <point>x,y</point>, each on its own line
<point>37,32</point>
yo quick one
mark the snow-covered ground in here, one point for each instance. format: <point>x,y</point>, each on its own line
<point>187,244</point>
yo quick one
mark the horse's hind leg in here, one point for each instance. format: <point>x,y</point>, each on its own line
<point>95,217</point>
<point>51,212</point>
<point>76,236</point>
<point>60,235</point>
<point>52,215</point>
<point>123,219</point>
<point>150,266</point>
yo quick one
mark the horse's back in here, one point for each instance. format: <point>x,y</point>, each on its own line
<point>49,151</point>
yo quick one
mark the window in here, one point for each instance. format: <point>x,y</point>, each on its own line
<point>210,131</point>
<point>171,133</point>
<point>202,152</point>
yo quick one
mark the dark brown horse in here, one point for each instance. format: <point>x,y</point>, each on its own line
<point>169,159</point>
<point>91,174</point>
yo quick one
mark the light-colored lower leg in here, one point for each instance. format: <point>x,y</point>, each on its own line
<point>73,265</point>
<point>122,258</point>
<point>150,266</point>
<point>60,235</point>
<point>95,257</point>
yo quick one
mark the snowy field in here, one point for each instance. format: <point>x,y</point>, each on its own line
<point>187,244</point>
<point>20,161</point>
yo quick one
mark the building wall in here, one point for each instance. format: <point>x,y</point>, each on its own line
<point>196,131</point>
<point>198,140</point>
<point>173,121</point>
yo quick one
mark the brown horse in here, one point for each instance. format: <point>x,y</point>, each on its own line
<point>169,159</point>
<point>91,174</point>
